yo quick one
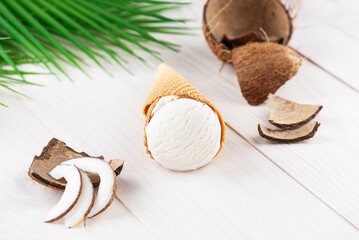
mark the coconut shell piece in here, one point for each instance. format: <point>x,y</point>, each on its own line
<point>262,68</point>
<point>289,136</point>
<point>54,154</point>
<point>231,23</point>
<point>286,114</point>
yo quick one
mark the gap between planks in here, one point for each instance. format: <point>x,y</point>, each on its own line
<point>270,159</point>
<point>137,218</point>
<point>311,61</point>
<point>254,146</point>
<point>325,70</point>
<point>54,134</point>
<point>296,180</point>
<point>237,133</point>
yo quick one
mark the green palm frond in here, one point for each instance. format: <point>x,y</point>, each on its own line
<point>31,31</point>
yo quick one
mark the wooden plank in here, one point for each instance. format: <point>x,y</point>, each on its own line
<point>342,15</point>
<point>24,203</point>
<point>325,31</point>
<point>327,164</point>
<point>240,194</point>
<point>329,48</point>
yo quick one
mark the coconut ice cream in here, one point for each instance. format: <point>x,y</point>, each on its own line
<point>183,134</point>
<point>184,130</point>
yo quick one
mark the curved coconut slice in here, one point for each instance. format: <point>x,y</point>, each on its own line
<point>262,68</point>
<point>107,185</point>
<point>71,194</point>
<point>289,115</point>
<point>289,136</point>
<point>231,23</point>
<point>54,154</point>
<point>84,205</point>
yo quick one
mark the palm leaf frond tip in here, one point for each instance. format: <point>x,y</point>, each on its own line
<point>31,32</point>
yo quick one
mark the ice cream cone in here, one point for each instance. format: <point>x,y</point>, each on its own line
<point>168,82</point>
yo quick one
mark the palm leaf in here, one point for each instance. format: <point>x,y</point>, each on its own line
<point>35,31</point>
<point>94,25</point>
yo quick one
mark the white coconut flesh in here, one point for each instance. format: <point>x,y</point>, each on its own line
<point>83,206</point>
<point>71,193</point>
<point>107,181</point>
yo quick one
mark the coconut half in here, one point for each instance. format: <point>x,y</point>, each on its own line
<point>107,185</point>
<point>71,193</point>
<point>289,136</point>
<point>286,114</point>
<point>57,152</point>
<point>262,68</point>
<point>252,36</point>
<point>84,204</point>
<point>231,23</point>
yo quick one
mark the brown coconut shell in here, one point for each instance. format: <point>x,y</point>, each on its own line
<point>286,114</point>
<point>231,23</point>
<point>289,136</point>
<point>54,154</point>
<point>262,68</point>
<point>236,31</point>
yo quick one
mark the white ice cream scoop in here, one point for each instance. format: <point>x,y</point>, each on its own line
<point>183,133</point>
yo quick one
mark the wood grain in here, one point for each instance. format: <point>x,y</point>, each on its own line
<point>325,31</point>
<point>327,164</point>
<point>316,163</point>
<point>24,202</point>
<point>242,194</point>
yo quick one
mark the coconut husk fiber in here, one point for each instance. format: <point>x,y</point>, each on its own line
<point>54,154</point>
<point>262,68</point>
<point>231,23</point>
<point>168,82</point>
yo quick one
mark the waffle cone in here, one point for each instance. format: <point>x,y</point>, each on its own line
<point>168,82</point>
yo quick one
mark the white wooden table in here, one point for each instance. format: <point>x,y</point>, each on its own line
<point>253,190</point>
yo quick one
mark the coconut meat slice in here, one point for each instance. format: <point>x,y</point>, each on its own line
<point>289,136</point>
<point>107,185</point>
<point>289,115</point>
<point>84,205</point>
<point>71,193</point>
